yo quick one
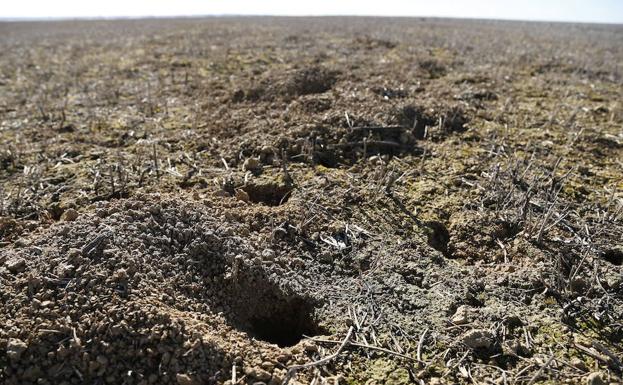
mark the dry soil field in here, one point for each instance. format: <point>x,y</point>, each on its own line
<point>315,200</point>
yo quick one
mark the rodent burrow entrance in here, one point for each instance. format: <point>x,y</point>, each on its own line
<point>287,326</point>
<point>270,194</point>
<point>267,313</point>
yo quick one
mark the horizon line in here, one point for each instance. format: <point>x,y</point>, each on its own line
<point>228,15</point>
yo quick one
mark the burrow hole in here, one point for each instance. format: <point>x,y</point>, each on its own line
<point>269,194</point>
<point>438,236</point>
<point>614,256</point>
<point>265,312</point>
<point>286,327</point>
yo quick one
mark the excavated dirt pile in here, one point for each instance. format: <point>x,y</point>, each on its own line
<point>160,290</point>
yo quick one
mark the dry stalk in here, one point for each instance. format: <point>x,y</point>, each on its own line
<point>294,369</point>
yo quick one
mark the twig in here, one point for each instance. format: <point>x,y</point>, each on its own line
<point>602,349</point>
<point>541,370</point>
<point>593,354</point>
<point>379,128</point>
<point>371,347</point>
<point>292,370</point>
<point>419,345</point>
<point>387,143</point>
<point>284,165</point>
<point>503,250</point>
<point>95,244</point>
<point>155,161</point>
<point>225,163</point>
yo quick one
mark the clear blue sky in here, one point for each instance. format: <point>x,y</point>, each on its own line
<point>602,11</point>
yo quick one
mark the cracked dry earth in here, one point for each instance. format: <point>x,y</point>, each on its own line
<point>322,200</point>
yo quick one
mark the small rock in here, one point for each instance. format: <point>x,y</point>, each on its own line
<point>268,366</point>
<point>326,257</point>
<point>15,348</point>
<point>258,373</point>
<point>102,213</point>
<point>45,304</point>
<point>595,378</point>
<point>222,193</point>
<point>284,357</point>
<point>267,150</point>
<point>155,209</point>
<point>70,215</point>
<point>120,275</point>
<point>16,265</point>
<point>478,339</point>
<point>578,363</point>
<point>242,195</point>
<point>310,347</point>
<point>251,164</point>
<point>268,254</point>
<point>278,377</point>
<point>461,316</point>
<point>185,379</point>
<point>614,281</point>
<point>262,375</point>
<point>514,321</point>
<point>66,269</point>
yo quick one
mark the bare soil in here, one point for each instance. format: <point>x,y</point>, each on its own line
<point>310,200</point>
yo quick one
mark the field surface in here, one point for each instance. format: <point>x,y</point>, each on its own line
<point>310,200</point>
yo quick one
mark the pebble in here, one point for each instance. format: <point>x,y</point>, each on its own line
<point>267,150</point>
<point>461,316</point>
<point>268,254</point>
<point>185,379</point>
<point>15,347</point>
<point>615,282</point>
<point>595,378</point>
<point>155,209</point>
<point>478,339</point>
<point>251,164</point>
<point>268,366</point>
<point>578,363</point>
<point>16,265</point>
<point>278,375</point>
<point>70,215</point>
<point>242,195</point>
<point>222,193</point>
<point>258,373</point>
<point>284,357</point>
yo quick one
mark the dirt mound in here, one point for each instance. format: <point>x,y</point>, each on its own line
<point>306,81</point>
<point>154,289</point>
<point>338,141</point>
<point>150,261</point>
